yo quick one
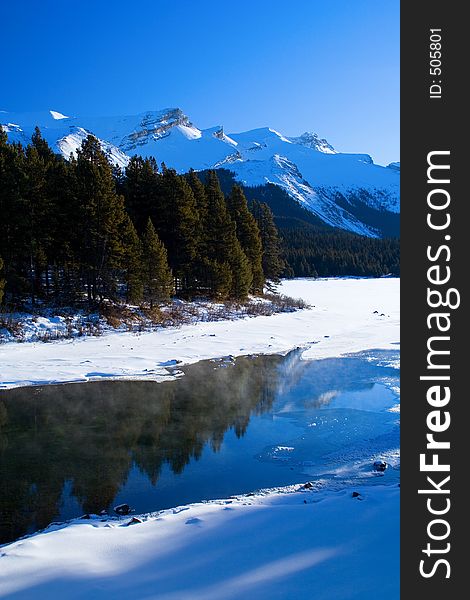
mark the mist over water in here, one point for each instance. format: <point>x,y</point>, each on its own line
<point>226,427</point>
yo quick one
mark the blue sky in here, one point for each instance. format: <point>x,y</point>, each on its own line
<point>329,66</point>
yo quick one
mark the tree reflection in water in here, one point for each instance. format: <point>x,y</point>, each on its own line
<point>74,447</point>
<point>92,434</point>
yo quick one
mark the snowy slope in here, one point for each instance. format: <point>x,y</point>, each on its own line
<point>336,187</point>
<point>284,545</point>
<point>64,134</point>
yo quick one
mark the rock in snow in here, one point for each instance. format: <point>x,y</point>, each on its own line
<point>380,466</point>
<point>123,509</point>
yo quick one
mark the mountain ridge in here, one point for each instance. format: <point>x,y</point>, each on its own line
<point>341,189</point>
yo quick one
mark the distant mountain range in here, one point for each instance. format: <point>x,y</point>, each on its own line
<point>347,191</point>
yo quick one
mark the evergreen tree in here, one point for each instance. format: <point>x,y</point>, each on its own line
<point>215,278</point>
<point>132,262</point>
<point>273,264</point>
<point>222,242</point>
<point>219,226</point>
<point>200,197</point>
<point>42,147</point>
<point>2,281</point>
<point>65,236</point>
<point>103,218</point>
<point>141,188</point>
<point>199,193</point>
<point>13,232</point>
<point>40,161</point>
<point>242,275</point>
<point>248,235</point>
<point>158,283</point>
<point>178,226</point>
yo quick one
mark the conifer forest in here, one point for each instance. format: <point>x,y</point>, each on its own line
<point>82,231</point>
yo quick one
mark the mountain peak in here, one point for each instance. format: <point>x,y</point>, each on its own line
<point>166,114</point>
<point>312,140</point>
<point>155,119</point>
<point>154,125</point>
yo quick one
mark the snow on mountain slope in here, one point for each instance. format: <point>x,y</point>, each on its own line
<point>339,188</point>
<point>64,134</point>
<point>70,143</point>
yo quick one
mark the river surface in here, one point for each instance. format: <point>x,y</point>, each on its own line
<point>222,428</point>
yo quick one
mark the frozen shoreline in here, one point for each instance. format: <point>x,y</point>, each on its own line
<point>347,315</point>
<point>280,545</point>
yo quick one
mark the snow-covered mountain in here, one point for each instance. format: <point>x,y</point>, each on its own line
<point>344,190</point>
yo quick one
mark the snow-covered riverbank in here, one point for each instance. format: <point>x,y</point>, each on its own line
<point>327,545</point>
<point>283,544</point>
<point>346,315</point>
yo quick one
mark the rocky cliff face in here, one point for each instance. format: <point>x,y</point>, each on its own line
<point>311,140</point>
<point>154,126</point>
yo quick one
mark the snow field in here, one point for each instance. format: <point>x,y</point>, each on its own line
<point>283,545</point>
<point>346,315</point>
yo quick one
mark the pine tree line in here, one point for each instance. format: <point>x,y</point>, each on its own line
<point>312,248</point>
<point>311,253</point>
<point>83,231</point>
